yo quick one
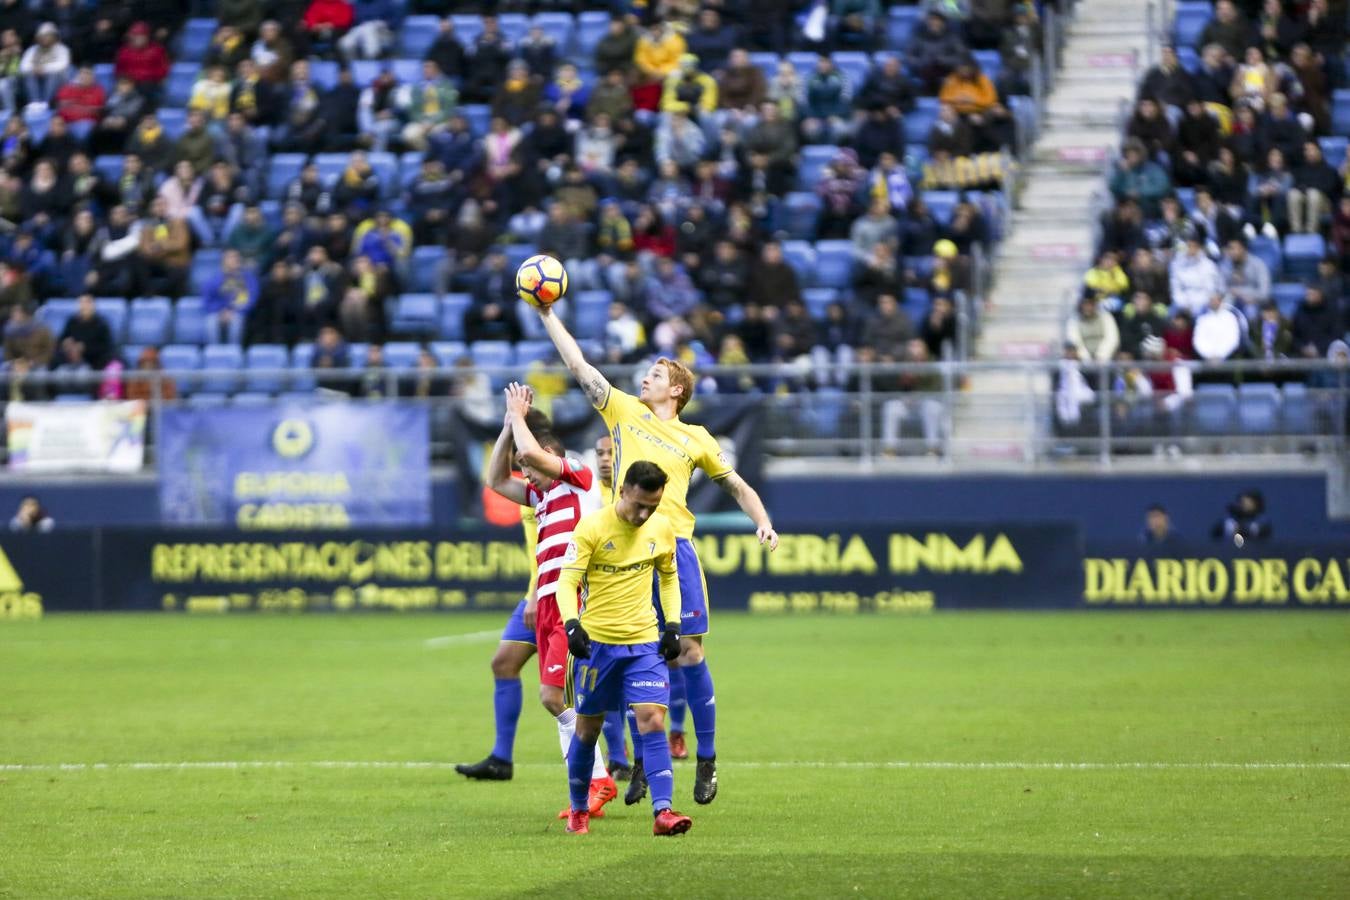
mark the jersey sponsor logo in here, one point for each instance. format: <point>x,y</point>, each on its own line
<point>691,614</point>
<point>615,570</point>
<point>655,684</point>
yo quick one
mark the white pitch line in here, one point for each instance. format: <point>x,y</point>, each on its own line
<point>450,640</point>
<point>786,764</point>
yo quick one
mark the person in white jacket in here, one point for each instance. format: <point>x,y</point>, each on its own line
<point>45,66</point>
<point>1093,332</point>
<point>1219,330</point>
<point>1194,277</point>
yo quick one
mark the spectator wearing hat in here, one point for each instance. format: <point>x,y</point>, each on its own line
<point>325,21</point>
<point>1139,178</point>
<point>689,91</point>
<point>45,66</point>
<point>144,61</point>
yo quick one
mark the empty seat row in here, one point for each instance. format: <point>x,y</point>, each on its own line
<point>1220,409</point>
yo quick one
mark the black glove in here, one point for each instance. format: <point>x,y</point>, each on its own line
<point>578,641</point>
<point>669,647</point>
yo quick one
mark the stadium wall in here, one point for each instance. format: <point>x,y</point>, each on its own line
<point>1104,507</point>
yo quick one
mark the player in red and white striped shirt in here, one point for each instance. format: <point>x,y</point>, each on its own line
<point>559,488</point>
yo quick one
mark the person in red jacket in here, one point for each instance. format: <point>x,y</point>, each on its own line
<point>143,60</point>
<point>81,100</point>
<point>325,21</point>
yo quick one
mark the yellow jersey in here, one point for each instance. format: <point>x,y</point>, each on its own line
<point>615,560</point>
<point>677,447</point>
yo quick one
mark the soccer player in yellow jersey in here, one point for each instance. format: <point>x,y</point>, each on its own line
<point>648,428</point>
<point>619,552</point>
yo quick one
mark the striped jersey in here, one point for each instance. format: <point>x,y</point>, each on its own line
<point>558,511</point>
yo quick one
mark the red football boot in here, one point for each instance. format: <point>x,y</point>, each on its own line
<point>677,748</point>
<point>669,822</point>
<point>579,822</point>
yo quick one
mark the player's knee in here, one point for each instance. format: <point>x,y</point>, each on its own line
<point>552,698</point>
<point>691,651</point>
<point>588,728</point>
<point>504,665</point>
<point>650,718</point>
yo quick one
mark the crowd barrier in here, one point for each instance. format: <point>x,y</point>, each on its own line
<point>843,570</point>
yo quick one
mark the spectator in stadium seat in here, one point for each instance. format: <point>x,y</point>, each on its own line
<point>1148,273</point>
<point>362,310</point>
<point>387,241</point>
<point>725,280</point>
<point>1246,519</point>
<point>1158,531</point>
<point>431,102</point>
<point>711,40</point>
<point>1215,75</point>
<point>260,101</point>
<point>45,65</point>
<point>877,227</point>
<point>950,134</point>
<point>1310,71</point>
<point>1138,177</point>
<point>228,298</point>
<point>1106,280</point>
<point>164,253</point>
<point>1316,190</point>
<point>938,330</point>
<point>89,332</point>
<point>669,291</point>
<point>144,61</point>
<point>680,139</point>
<point>303,127</point>
<point>11,52</point>
<point>615,51</point>
<point>1168,82</point>
<point>1317,323</point>
<point>181,190</point>
<point>44,200</point>
<point>252,237</point>
<point>773,282</point>
<point>499,149</point>
<point>148,388</point>
<point>331,352</point>
<point>610,97</point>
<point>1140,320</point>
<point>1220,331</point>
<point>1122,229</point>
<point>378,112</point>
<point>447,52</point>
<point>1246,277</point>
<point>1218,226</point>
<point>827,104</point>
<point>539,51</point>
<point>934,50</point>
<point>595,146</point>
<point>567,93</point>
<point>27,338</point>
<point>277,315</point>
<point>876,135</point>
<point>337,109</point>
<point>293,239</point>
<point>1269,194</point>
<point>886,87</point>
<point>211,95</point>
<point>81,243</point>
<point>357,187</point>
<point>1227,178</point>
<point>690,91</point>
<point>491,319</point>
<point>114,266</point>
<point>1193,277</point>
<point>1093,331</point>
<point>888,328</point>
<point>229,45</point>
<point>429,200</point>
<point>1151,128</point>
<point>196,145</point>
<point>322,281</point>
<point>150,145</point>
<point>657,52</point>
<point>625,337</point>
<point>1281,127</point>
<point>82,99</point>
<point>838,188</point>
<point>1271,335</point>
<point>308,191</point>
<point>743,89</point>
<point>31,517</point>
<point>324,22</point>
<point>1229,29</point>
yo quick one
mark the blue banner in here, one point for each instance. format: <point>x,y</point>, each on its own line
<point>296,465</point>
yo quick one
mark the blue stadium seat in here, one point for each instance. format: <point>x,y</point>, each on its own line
<point>802,257</point>
<point>514,27</point>
<point>854,65</point>
<point>1302,252</point>
<point>189,321</point>
<point>535,351</point>
<point>448,353</point>
<point>409,167</point>
<point>207,401</point>
<point>824,411</point>
<point>178,87</point>
<point>494,355</point>
<point>250,398</point>
<point>302,368</point>
<point>804,62</point>
<point>572,408</point>
<point>1340,111</point>
<point>130,354</point>
<point>418,34</point>
<point>814,158</point>
<point>1258,408</point>
<point>590,314</point>
<point>415,314</point>
<point>1187,197</point>
<point>517,254</point>
<point>559,26</point>
<point>357,353</point>
<point>364,71</point>
<point>798,215</point>
<point>834,264</point>
<point>916,304</point>
<point>591,27</point>
<point>150,320</point>
<point>386,169</point>
<point>178,358</point>
<point>990,62</point>
<point>1214,408</point>
<point>478,116</point>
<point>1298,411</point>
<point>900,23</point>
<point>205,266</point>
<point>262,357</point>
<point>1190,21</point>
<point>228,360</point>
<point>402,354</point>
<point>453,307</point>
<point>114,311</point>
<point>1333,150</point>
<point>919,123</point>
<point>323,73</point>
<point>282,169</point>
<point>467,28</point>
<point>1189,59</point>
<point>425,262</point>
<point>941,204</point>
<point>331,165</point>
<point>37,118</point>
<point>818,300</point>
<point>1287,296</point>
<point>531,326</point>
<point>174,120</point>
<point>106,76</point>
<point>55,312</point>
<point>767,62</point>
<point>1268,251</point>
<point>194,40</point>
<point>109,166</point>
<point>406,71</point>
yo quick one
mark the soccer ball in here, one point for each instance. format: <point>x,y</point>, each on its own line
<point>541,281</point>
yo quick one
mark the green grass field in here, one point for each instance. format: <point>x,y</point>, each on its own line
<point>812,711</point>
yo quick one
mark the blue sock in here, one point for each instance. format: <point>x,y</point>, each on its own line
<point>580,760</point>
<point>506,707</point>
<point>660,779</point>
<point>699,687</point>
<point>615,735</point>
<point>637,738</point>
<point>678,706</point>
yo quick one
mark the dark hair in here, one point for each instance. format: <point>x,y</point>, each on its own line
<point>647,476</point>
<point>551,442</point>
<point>1157,507</point>
<point>538,422</point>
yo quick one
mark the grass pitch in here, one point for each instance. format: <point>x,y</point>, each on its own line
<point>833,700</point>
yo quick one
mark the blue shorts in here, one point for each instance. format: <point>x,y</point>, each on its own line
<point>617,676</point>
<point>693,590</point>
<point>515,631</point>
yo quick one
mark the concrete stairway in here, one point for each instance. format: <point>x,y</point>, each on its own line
<point>1042,262</point>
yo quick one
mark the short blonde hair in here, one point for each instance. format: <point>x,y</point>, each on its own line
<point>679,375</point>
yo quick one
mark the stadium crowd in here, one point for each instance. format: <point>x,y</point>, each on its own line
<point>291,174</point>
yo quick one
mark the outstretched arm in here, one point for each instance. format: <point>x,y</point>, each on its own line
<point>498,474</point>
<point>593,384</point>
<point>752,506</point>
